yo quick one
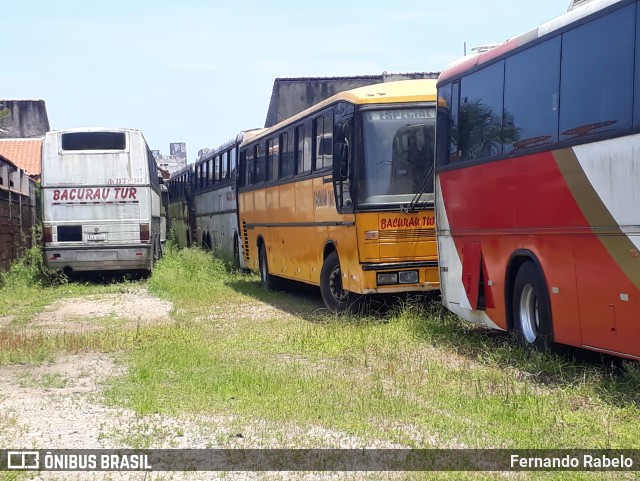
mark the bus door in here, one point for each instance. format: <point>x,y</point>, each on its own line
<point>343,158</point>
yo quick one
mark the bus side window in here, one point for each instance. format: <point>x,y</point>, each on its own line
<point>304,148</point>
<point>249,166</point>
<point>261,163</point>
<point>232,163</point>
<point>225,165</point>
<point>273,154</point>
<point>324,141</point>
<point>481,132</point>
<point>287,167</point>
<point>454,149</point>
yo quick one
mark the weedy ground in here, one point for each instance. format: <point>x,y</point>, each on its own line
<point>252,368</point>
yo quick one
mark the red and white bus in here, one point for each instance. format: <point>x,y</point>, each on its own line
<point>538,182</point>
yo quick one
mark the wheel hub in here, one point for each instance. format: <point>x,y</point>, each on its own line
<point>529,314</point>
<point>335,285</point>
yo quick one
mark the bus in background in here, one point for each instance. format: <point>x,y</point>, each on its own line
<point>341,195</point>
<point>182,221</point>
<point>102,202</point>
<point>215,200</point>
<point>537,186</point>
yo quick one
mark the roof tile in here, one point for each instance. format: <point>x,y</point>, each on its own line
<point>24,153</point>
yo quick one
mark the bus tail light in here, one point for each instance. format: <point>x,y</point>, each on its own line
<point>47,234</point>
<point>144,232</point>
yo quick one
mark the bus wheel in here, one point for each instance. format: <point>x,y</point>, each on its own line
<point>152,259</point>
<point>266,280</point>
<point>531,309</point>
<point>159,249</point>
<point>334,296</point>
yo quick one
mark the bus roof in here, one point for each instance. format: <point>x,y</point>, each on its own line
<point>239,138</point>
<point>578,12</point>
<point>178,173</point>
<point>420,90</point>
<point>93,129</point>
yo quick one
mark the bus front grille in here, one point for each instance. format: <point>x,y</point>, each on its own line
<point>407,235</point>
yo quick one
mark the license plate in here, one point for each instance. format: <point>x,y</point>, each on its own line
<point>97,237</point>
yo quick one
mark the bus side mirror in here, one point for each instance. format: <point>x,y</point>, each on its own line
<point>341,160</point>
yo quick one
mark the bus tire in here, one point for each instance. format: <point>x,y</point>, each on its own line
<point>152,258</point>
<point>267,280</point>
<point>159,249</point>
<point>334,296</point>
<point>532,321</point>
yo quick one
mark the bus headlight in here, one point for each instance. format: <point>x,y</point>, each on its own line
<point>408,277</point>
<point>386,278</point>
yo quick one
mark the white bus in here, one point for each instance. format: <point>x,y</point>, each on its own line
<point>103,205</point>
<point>213,185</point>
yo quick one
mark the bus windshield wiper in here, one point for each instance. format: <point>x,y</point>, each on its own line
<point>412,206</point>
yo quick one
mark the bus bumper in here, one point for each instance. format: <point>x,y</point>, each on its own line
<point>112,258</point>
<point>389,278</point>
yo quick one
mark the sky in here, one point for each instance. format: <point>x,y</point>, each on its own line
<point>199,71</point>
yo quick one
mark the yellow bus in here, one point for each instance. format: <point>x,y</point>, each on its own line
<point>341,195</point>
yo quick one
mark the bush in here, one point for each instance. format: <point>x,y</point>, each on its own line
<point>30,270</point>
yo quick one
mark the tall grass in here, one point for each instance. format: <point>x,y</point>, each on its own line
<point>415,375</point>
<point>25,290</point>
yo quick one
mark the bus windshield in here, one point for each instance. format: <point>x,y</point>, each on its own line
<point>398,155</point>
